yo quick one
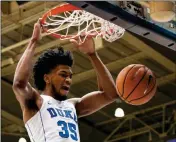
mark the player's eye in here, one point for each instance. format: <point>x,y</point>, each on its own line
<point>63,75</point>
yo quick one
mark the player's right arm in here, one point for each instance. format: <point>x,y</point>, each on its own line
<point>24,92</point>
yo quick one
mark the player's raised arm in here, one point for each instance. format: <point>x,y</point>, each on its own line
<point>98,99</point>
<point>21,86</point>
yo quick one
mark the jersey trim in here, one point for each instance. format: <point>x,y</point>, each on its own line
<point>30,132</point>
<point>42,125</point>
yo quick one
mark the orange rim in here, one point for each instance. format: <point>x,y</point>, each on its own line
<point>58,10</point>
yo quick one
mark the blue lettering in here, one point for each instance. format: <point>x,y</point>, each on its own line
<point>68,114</point>
<point>60,112</point>
<point>52,112</point>
<point>73,134</point>
<point>68,129</point>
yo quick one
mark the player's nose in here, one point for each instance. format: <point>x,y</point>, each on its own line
<point>68,80</point>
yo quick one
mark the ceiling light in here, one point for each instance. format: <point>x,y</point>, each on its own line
<point>22,140</point>
<point>119,112</point>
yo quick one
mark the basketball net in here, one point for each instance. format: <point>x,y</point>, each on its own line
<point>85,24</point>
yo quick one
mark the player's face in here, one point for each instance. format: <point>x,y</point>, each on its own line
<point>61,79</point>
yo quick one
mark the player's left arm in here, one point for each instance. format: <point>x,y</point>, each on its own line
<point>96,100</point>
<point>91,103</point>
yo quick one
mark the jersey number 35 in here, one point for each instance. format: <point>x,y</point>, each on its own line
<point>68,130</point>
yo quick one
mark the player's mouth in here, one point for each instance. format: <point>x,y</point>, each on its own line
<point>66,89</point>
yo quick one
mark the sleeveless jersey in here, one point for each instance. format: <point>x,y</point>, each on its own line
<point>56,121</point>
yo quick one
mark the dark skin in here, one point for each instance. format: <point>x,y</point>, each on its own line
<point>59,80</point>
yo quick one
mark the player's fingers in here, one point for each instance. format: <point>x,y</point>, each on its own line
<point>39,20</point>
<point>38,23</point>
<point>41,25</point>
<point>74,42</point>
<point>94,34</point>
<point>37,26</point>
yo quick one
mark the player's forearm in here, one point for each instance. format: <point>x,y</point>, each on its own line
<point>104,76</point>
<point>24,66</point>
<point>99,83</point>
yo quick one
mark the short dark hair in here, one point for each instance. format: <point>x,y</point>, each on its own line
<point>47,62</point>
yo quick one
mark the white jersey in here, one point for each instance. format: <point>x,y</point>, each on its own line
<point>56,121</point>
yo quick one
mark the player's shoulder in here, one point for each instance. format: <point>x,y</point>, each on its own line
<point>46,97</point>
<point>74,101</point>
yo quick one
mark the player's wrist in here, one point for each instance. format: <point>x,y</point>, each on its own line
<point>32,44</point>
<point>93,55</point>
<point>34,40</point>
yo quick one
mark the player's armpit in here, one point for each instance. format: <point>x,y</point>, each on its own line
<point>25,94</point>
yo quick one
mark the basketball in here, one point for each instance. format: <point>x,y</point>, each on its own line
<point>136,84</point>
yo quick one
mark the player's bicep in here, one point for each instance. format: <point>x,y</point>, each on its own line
<point>92,102</point>
<point>23,94</point>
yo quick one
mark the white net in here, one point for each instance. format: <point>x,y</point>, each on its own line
<point>80,24</point>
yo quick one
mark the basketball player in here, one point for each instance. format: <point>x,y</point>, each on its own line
<point>49,116</point>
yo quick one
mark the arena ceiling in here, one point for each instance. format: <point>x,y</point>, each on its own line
<point>153,121</point>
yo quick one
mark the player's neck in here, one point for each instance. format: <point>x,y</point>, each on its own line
<point>47,92</point>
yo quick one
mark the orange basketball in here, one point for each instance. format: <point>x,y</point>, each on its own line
<point>136,84</point>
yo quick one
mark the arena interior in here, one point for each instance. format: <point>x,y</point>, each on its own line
<point>145,41</point>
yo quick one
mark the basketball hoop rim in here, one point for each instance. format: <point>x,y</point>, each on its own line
<point>107,30</point>
<point>57,10</point>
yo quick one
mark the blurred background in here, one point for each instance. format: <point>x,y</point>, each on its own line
<point>149,40</point>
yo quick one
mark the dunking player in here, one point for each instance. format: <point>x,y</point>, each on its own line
<point>49,116</point>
